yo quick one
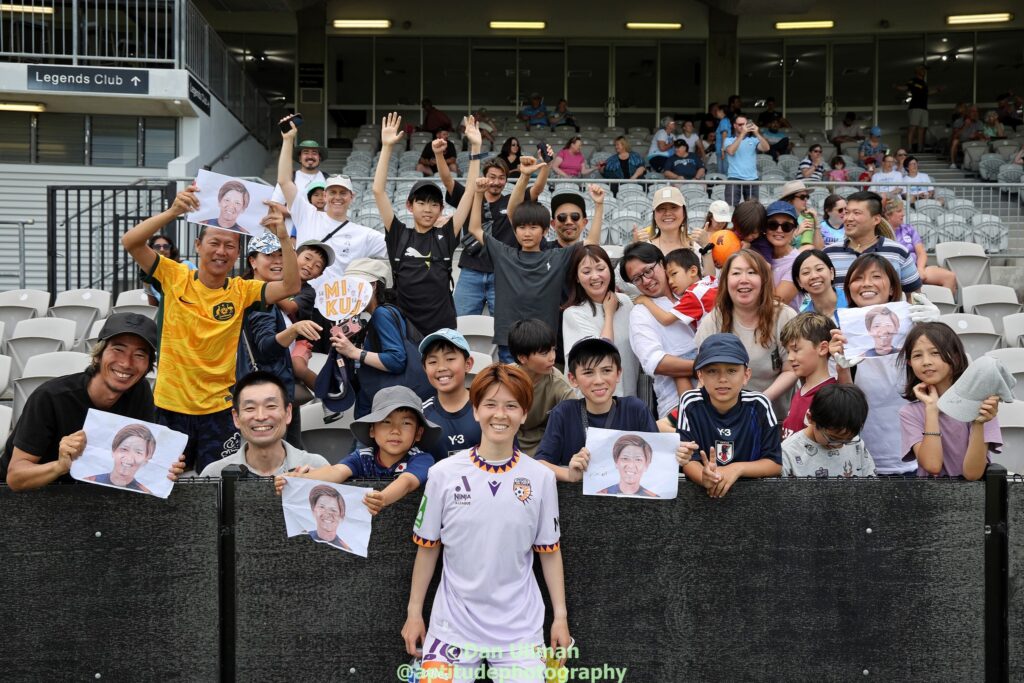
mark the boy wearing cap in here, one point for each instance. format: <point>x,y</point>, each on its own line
<point>421,258</point>
<point>871,151</point>
<point>348,240</point>
<point>49,436</point>
<point>397,427</point>
<point>528,281</point>
<point>594,368</point>
<point>446,360</point>
<point>682,165</point>
<point>200,322</point>
<point>315,195</point>
<point>734,430</point>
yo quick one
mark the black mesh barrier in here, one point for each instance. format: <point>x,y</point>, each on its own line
<point>109,585</point>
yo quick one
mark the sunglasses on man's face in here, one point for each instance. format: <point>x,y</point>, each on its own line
<point>804,197</point>
<point>784,226</point>
<point>564,217</point>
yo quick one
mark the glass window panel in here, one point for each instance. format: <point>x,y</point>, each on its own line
<point>15,137</point>
<point>160,142</point>
<point>682,77</point>
<point>852,75</point>
<point>541,70</point>
<point>636,77</point>
<point>350,72</point>
<point>494,76</point>
<point>588,76</point>
<point>805,80</point>
<point>897,58</point>
<point>950,65</point>
<point>60,139</point>
<point>115,140</point>
<point>398,71</point>
<point>1000,63</point>
<point>760,71</point>
<point>446,72</point>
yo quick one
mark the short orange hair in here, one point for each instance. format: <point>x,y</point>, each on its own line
<point>511,377</point>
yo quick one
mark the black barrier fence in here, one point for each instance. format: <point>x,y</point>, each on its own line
<point>783,580</point>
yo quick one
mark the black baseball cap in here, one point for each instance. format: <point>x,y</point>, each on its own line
<point>430,185</point>
<point>721,348</point>
<point>569,198</point>
<point>131,323</point>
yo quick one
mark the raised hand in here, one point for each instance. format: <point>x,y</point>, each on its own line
<point>530,165</point>
<point>186,201</point>
<point>596,193</point>
<point>710,476</point>
<point>275,219</point>
<point>439,146</point>
<point>391,129</point>
<point>472,130</point>
<point>481,185</point>
<point>292,132</point>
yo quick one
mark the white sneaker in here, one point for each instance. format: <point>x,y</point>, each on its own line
<point>953,167</point>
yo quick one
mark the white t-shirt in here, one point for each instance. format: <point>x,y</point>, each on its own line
<point>661,136</point>
<point>351,242</point>
<point>578,322</point>
<point>490,519</point>
<point>691,140</point>
<point>883,182</point>
<point>652,341</point>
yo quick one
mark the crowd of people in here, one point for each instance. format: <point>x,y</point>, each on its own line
<point>745,350</point>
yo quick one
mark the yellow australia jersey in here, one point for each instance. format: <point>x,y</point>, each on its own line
<point>199,338</point>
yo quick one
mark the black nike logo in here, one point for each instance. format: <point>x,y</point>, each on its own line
<point>187,303</point>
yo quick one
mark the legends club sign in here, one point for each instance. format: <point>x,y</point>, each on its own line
<point>88,79</point>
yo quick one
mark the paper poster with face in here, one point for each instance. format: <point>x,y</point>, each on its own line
<point>875,331</point>
<point>631,464</point>
<point>327,513</point>
<point>125,453</point>
<point>342,298</point>
<point>230,203</point>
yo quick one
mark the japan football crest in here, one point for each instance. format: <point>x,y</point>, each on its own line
<point>724,452</point>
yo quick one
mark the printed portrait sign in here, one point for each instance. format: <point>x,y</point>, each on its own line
<point>875,331</point>
<point>230,203</point>
<point>125,453</point>
<point>333,514</point>
<point>342,298</point>
<point>631,464</point>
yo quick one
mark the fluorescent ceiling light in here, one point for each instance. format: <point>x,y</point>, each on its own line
<point>518,25</point>
<point>653,26</point>
<point>27,9</point>
<point>957,19</point>
<point>362,23</point>
<point>796,25</point>
<point>22,106</point>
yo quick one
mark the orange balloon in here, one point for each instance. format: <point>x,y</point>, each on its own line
<point>725,244</point>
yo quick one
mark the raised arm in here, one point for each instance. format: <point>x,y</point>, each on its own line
<point>472,132</point>
<point>290,284</point>
<point>476,222</point>
<point>285,175</point>
<point>439,146</point>
<point>390,134</point>
<point>542,178</point>
<point>597,194</point>
<point>762,144</point>
<point>527,166</point>
<point>136,240</point>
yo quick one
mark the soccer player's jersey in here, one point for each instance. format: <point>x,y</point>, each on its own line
<point>199,338</point>
<point>490,519</point>
<point>746,432</point>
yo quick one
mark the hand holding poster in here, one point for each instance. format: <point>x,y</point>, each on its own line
<point>875,331</point>
<point>124,453</point>
<point>631,464</point>
<point>328,513</point>
<point>230,203</point>
<point>342,298</point>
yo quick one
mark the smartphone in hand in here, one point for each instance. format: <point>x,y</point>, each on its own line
<point>542,151</point>
<point>288,120</point>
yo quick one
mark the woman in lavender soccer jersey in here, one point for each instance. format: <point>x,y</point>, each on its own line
<point>499,507</point>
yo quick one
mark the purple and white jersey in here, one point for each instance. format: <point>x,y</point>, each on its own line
<point>490,518</point>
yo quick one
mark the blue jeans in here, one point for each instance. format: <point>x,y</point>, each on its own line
<point>504,355</point>
<point>472,291</point>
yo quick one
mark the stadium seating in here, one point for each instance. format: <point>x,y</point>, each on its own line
<point>992,301</point>
<point>332,440</point>
<point>20,304</point>
<point>6,420</point>
<point>1011,424</point>
<point>941,297</point>
<point>480,361</point>
<point>84,306</point>
<point>42,367</point>
<point>975,331</point>
<point>134,301</point>
<point>36,336</point>
<point>5,374</point>
<point>967,260</point>
<point>479,332</point>
<point>1013,359</point>
<point>1013,330</point>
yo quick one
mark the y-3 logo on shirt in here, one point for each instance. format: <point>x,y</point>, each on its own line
<point>224,311</point>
